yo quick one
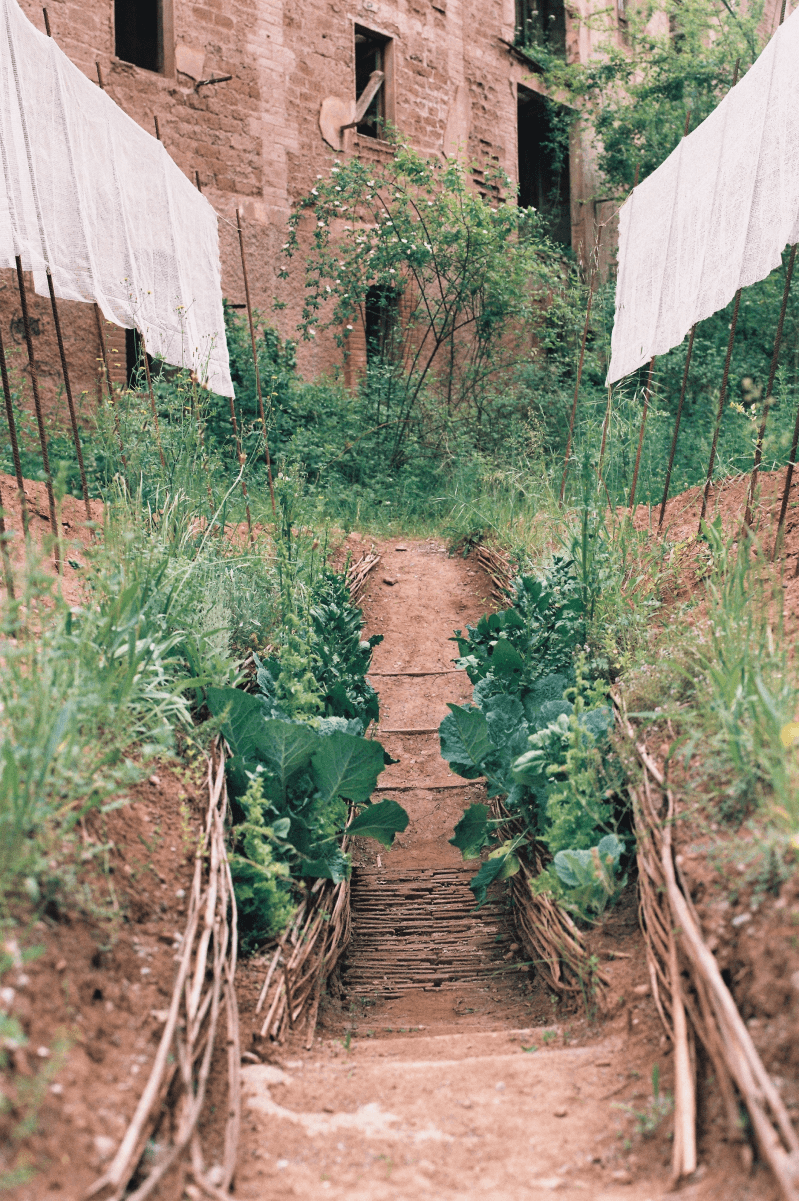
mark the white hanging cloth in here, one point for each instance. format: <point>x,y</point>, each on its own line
<point>716,215</point>
<point>88,193</point>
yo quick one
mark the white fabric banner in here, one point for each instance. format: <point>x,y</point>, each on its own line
<point>87,192</point>
<point>716,215</point>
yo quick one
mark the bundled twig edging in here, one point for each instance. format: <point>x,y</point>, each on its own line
<point>498,569</point>
<point>303,959</point>
<point>358,574</point>
<point>204,989</point>
<point>687,984</point>
<point>550,937</point>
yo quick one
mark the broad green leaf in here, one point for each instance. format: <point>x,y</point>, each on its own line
<point>333,865</point>
<point>287,747</point>
<point>346,766</point>
<point>506,662</point>
<point>471,832</point>
<point>381,821</point>
<point>244,724</point>
<point>489,872</point>
<point>465,743</point>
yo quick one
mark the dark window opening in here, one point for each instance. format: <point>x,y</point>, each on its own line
<point>543,166</point>
<point>139,33</point>
<point>134,364</point>
<point>380,310</point>
<point>541,23</point>
<point>370,56</point>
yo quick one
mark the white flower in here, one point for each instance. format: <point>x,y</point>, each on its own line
<point>405,240</point>
<point>314,191</point>
<point>349,327</point>
<point>320,223</point>
<point>370,183</point>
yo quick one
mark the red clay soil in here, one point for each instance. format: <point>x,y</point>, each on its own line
<point>477,1087</point>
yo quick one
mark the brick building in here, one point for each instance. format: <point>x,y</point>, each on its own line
<point>251,96</point>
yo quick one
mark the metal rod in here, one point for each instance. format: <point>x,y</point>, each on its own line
<point>667,484</point>
<point>255,361</point>
<point>4,551</point>
<point>70,401</point>
<point>197,181</point>
<point>771,376</point>
<point>722,397</point>
<point>104,353</point>
<point>580,364</point>
<point>152,398</point>
<point>12,430</point>
<point>99,76</point>
<point>647,394</point>
<point>157,130</point>
<point>605,425</point>
<point>787,490</point>
<point>241,461</point>
<point>37,403</point>
<point>49,34</point>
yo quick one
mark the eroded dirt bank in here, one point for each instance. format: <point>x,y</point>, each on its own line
<point>448,1071</point>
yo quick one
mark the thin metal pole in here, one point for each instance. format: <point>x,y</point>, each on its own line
<point>12,430</point>
<point>70,401</point>
<point>152,398</point>
<point>605,425</point>
<point>4,551</point>
<point>580,364</point>
<point>772,374</point>
<point>104,353</point>
<point>197,181</point>
<point>722,397</point>
<point>37,403</point>
<point>99,76</point>
<point>255,361</point>
<point>157,129</point>
<point>787,490</point>
<point>241,460</point>
<point>683,388</point>
<point>647,394</point>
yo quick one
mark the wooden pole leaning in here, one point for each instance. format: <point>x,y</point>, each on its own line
<point>37,404</point>
<point>722,397</point>
<point>255,360</point>
<point>12,432</point>
<point>750,496</point>
<point>152,398</point>
<point>73,418</point>
<point>673,448</point>
<point>577,382</point>
<point>647,394</point>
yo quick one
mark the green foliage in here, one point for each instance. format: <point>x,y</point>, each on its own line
<point>294,785</point>
<point>585,881</point>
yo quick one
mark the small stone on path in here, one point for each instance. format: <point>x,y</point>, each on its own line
<point>390,580</point>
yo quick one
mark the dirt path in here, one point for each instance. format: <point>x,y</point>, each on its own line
<point>449,1073</point>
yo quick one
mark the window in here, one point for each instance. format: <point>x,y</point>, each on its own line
<point>541,23</point>
<point>380,310</point>
<point>372,54</point>
<point>139,33</point>
<point>543,166</point>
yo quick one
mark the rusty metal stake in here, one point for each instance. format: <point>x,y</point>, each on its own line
<point>647,394</point>
<point>255,362</point>
<point>37,403</point>
<point>667,484</point>
<point>722,397</point>
<point>68,388</point>
<point>12,431</point>
<point>104,353</point>
<point>152,398</point>
<point>771,377</point>
<point>4,551</point>
<point>580,363</point>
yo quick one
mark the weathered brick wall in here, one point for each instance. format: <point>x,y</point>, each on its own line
<point>256,142</point>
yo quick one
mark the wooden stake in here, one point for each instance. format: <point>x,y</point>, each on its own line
<point>68,388</point>
<point>255,360</point>
<point>12,431</point>
<point>722,397</point>
<point>647,394</point>
<point>38,407</point>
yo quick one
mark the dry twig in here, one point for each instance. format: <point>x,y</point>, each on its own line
<point>204,988</point>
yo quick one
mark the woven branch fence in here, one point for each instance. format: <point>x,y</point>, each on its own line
<point>691,997</point>
<point>202,1017</point>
